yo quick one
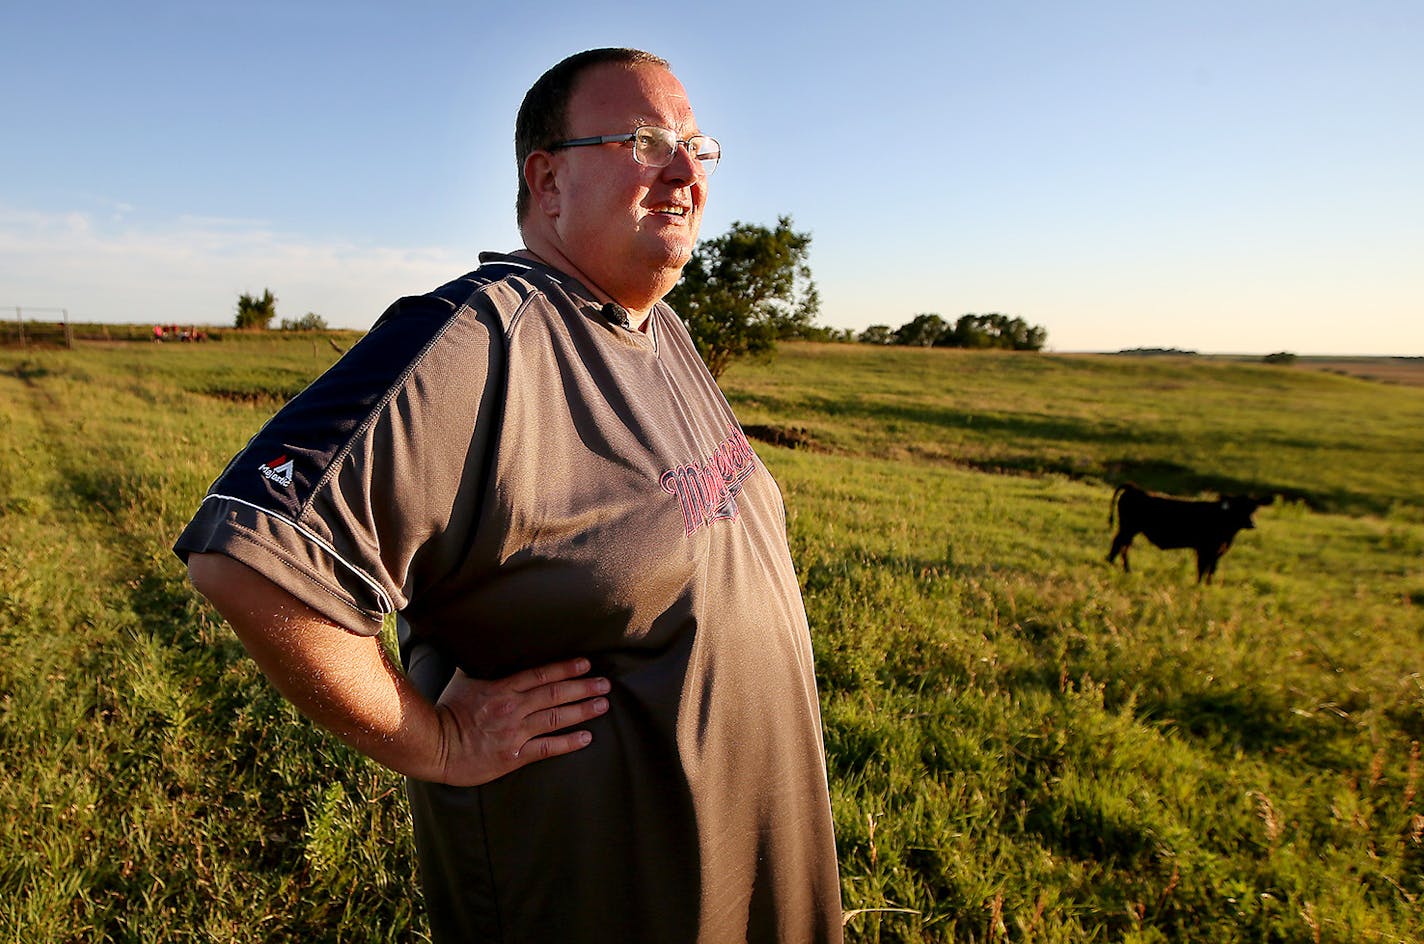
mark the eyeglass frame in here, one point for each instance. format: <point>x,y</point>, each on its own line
<point>633,136</point>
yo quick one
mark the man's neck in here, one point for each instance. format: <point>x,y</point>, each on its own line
<point>638,304</point>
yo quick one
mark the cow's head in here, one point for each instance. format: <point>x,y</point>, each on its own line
<point>1239,509</point>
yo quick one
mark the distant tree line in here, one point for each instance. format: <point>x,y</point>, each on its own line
<point>969,331</point>
<point>255,313</point>
<point>745,290</point>
<point>311,321</point>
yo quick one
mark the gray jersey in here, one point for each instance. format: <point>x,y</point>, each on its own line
<point>526,480</point>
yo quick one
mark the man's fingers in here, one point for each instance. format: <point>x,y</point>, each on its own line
<point>522,718</point>
<point>551,746</point>
<point>547,674</point>
<point>564,693</point>
<point>564,715</point>
<point>554,685</point>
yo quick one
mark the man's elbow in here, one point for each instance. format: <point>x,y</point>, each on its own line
<point>206,571</point>
<point>258,610</point>
<point>237,591</point>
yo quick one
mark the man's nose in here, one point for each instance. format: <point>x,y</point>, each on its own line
<point>683,166</point>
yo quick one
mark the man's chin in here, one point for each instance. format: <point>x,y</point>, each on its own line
<point>671,255</point>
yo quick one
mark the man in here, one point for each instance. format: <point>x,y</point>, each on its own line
<point>534,469</point>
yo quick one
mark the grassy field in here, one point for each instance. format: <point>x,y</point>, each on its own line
<point>1025,743</point>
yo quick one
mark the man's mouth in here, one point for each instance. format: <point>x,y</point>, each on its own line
<point>673,209</point>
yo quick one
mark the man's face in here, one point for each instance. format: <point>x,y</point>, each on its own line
<point>618,221</point>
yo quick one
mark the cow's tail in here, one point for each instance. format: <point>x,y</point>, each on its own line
<point>1112,502</point>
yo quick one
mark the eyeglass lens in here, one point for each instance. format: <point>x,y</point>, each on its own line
<point>655,147</point>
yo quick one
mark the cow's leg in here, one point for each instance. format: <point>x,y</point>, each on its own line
<point>1206,565</point>
<point>1119,547</point>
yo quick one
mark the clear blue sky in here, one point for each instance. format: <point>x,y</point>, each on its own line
<point>1243,176</point>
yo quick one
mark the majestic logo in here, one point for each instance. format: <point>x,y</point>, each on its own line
<point>279,470</point>
<point>707,489</point>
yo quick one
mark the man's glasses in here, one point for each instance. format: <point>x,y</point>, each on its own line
<point>656,147</point>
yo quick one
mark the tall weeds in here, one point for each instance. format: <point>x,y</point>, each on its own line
<point>1025,744</point>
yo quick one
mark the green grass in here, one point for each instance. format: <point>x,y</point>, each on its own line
<point>1025,744</point>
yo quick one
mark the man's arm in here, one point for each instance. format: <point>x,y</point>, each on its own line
<point>477,730</point>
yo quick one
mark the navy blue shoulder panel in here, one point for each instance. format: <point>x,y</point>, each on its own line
<point>287,460</point>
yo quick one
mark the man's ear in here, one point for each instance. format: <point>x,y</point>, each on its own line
<point>541,177</point>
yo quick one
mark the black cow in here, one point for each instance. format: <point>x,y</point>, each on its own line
<point>1207,527</point>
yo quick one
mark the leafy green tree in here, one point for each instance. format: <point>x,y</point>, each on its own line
<point>969,331</point>
<point>254,312</point>
<point>311,321</point>
<point>823,333</point>
<point>877,334</point>
<point>994,331</point>
<point>923,331</point>
<point>743,291</point>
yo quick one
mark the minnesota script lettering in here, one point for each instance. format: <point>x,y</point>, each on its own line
<point>708,488</point>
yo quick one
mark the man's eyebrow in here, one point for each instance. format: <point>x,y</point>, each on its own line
<point>643,121</point>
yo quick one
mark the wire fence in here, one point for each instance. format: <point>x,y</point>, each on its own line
<point>23,330</point>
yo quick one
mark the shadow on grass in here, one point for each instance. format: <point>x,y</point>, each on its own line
<point>268,399</point>
<point>992,425</point>
<point>1239,719</point>
<point>1172,478</point>
<point>205,736</point>
<point>1040,444</point>
<point>883,411</point>
<point>1088,831</point>
<point>28,372</point>
<point>1235,719</point>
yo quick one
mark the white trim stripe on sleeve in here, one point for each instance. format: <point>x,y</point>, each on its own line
<point>386,605</point>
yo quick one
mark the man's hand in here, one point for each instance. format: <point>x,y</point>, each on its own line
<point>491,728</point>
<point>478,730</point>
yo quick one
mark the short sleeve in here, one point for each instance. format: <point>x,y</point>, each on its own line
<point>355,496</point>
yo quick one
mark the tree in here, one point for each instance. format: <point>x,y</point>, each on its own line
<point>995,331</point>
<point>923,331</point>
<point>877,334</point>
<point>822,333</point>
<point>743,291</point>
<point>971,331</point>
<point>311,321</point>
<point>257,313</point>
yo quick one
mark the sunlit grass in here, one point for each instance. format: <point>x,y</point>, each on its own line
<point>1024,742</point>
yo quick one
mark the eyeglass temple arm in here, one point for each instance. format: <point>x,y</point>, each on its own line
<point>600,139</point>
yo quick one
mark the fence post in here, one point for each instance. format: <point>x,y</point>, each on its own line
<point>20,321</point>
<point>68,331</point>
